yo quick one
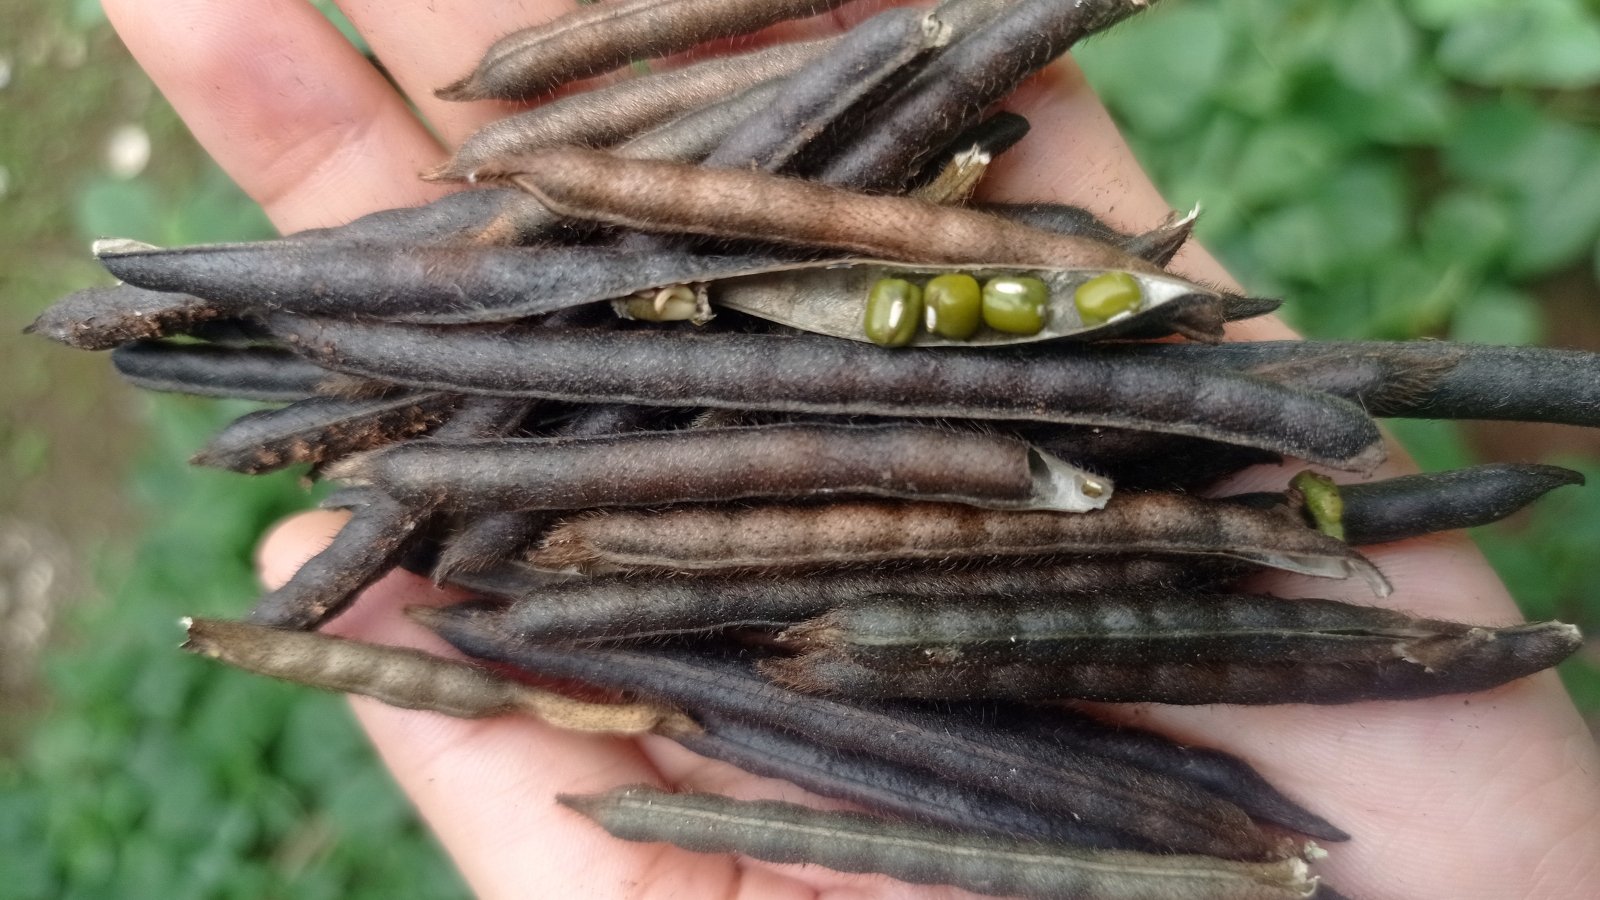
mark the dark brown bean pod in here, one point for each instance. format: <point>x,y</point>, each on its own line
<point>1156,246</point>
<point>370,544</point>
<point>636,608</point>
<point>1397,508</point>
<point>777,537</point>
<point>884,787</point>
<point>721,464</point>
<point>450,219</point>
<point>1115,627</point>
<point>1223,774</point>
<point>485,417</point>
<point>849,842</point>
<point>1161,243</point>
<point>694,136</point>
<point>652,195</point>
<point>1146,460</point>
<point>796,374</point>
<point>266,374</point>
<point>859,64</point>
<point>319,430</point>
<point>596,39</point>
<point>688,138</point>
<point>487,540</point>
<point>619,111</point>
<point>1427,666</point>
<point>954,91</point>
<point>990,137</point>
<point>1394,509</point>
<point>1109,794</point>
<point>425,284</point>
<point>1425,379</point>
<point>101,318</point>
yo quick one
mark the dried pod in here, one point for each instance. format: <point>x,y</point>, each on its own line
<point>719,464</point>
<point>375,539</point>
<point>812,375</point>
<point>105,317</point>
<point>1223,774</point>
<point>1397,508</point>
<point>653,195</point>
<point>410,679</point>
<point>636,608</point>
<point>319,430</point>
<point>859,64</point>
<point>615,112</point>
<point>971,75</point>
<point>461,217</point>
<point>1423,379</point>
<point>858,533</point>
<point>1158,648</point>
<point>1158,809</point>
<point>267,374</point>
<point>850,842</point>
<point>435,284</point>
<point>597,39</point>
<point>882,786</point>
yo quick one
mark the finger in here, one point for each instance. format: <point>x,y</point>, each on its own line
<point>428,45</point>
<point>284,104</point>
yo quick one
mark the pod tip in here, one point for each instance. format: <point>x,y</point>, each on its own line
<point>444,173</point>
<point>461,90</point>
<point>119,247</point>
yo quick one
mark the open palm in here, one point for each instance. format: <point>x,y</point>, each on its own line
<point>1492,796</point>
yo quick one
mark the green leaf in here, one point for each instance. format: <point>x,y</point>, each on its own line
<point>1281,157</point>
<point>1534,43</point>
<point>1181,48</point>
<point>1374,47</point>
<point>1556,177</point>
<point>1497,314</point>
<point>109,207</point>
<point>1468,226</point>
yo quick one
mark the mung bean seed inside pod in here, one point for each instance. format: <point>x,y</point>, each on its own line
<point>828,299</point>
<point>1157,648</point>
<point>831,535</point>
<point>410,679</point>
<point>814,375</point>
<point>851,842</point>
<point>1157,809</point>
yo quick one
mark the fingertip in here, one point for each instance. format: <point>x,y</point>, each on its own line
<point>287,545</point>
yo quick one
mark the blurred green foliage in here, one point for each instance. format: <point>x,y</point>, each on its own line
<point>1396,169</point>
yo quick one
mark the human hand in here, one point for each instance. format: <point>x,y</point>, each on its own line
<point>1492,795</point>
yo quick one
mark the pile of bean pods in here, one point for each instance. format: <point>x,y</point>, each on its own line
<point>719,395</point>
